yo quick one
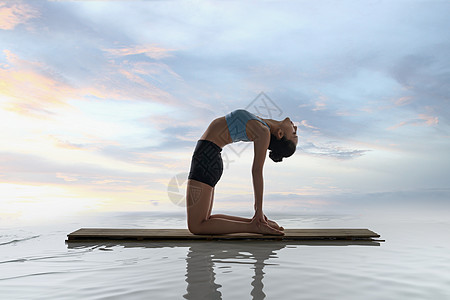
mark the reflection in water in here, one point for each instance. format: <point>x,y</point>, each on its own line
<point>203,256</point>
<point>200,274</point>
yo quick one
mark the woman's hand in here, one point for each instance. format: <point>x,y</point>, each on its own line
<point>263,226</point>
<point>273,224</point>
<point>260,217</point>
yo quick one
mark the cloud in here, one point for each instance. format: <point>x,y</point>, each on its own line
<point>150,51</point>
<point>156,157</point>
<point>32,87</point>
<point>330,150</point>
<point>304,123</point>
<point>421,120</point>
<point>13,14</point>
<point>424,77</point>
<point>34,169</point>
<point>403,101</point>
<point>67,144</point>
<point>129,81</point>
<point>66,177</point>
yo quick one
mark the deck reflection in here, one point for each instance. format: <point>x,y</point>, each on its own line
<point>204,257</point>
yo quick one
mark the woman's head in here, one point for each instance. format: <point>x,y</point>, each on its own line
<point>284,142</point>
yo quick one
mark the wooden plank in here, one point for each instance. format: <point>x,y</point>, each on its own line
<point>184,234</point>
<point>77,244</point>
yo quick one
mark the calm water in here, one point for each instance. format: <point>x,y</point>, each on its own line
<point>413,263</point>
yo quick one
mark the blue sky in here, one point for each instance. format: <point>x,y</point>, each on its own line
<point>101,103</point>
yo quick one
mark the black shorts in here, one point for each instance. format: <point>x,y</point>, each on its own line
<point>206,164</point>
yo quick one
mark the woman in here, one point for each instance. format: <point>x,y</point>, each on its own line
<point>207,166</point>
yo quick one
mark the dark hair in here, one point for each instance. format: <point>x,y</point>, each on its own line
<point>280,148</point>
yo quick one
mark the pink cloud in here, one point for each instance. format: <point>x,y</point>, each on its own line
<point>319,105</point>
<point>12,14</point>
<point>421,120</point>
<point>150,51</point>
<point>304,123</point>
<point>66,144</point>
<point>403,101</point>
<point>126,80</point>
<point>429,120</point>
<point>32,88</point>
<point>66,178</point>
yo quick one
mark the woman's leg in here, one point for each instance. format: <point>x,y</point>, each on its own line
<point>236,218</point>
<point>222,216</point>
<point>242,219</point>
<point>199,197</point>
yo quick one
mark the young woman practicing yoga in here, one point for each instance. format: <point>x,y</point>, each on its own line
<point>207,166</point>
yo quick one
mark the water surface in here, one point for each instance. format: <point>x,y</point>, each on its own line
<point>413,263</point>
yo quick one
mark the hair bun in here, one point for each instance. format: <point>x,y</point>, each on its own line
<point>276,157</point>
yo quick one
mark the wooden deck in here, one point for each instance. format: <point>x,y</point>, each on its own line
<point>90,234</point>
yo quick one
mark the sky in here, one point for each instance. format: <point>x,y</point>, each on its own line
<point>101,103</point>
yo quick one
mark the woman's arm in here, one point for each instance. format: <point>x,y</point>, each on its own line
<point>260,145</point>
<point>258,187</point>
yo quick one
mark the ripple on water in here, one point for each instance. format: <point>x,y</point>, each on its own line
<point>39,264</point>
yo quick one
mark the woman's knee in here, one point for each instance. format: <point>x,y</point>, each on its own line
<point>196,226</point>
<point>194,229</point>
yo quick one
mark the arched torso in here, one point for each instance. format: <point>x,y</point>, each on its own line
<point>218,133</point>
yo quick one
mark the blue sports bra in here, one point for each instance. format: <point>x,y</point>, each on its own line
<point>237,121</point>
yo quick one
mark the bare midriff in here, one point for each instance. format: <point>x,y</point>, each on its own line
<point>217,131</point>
